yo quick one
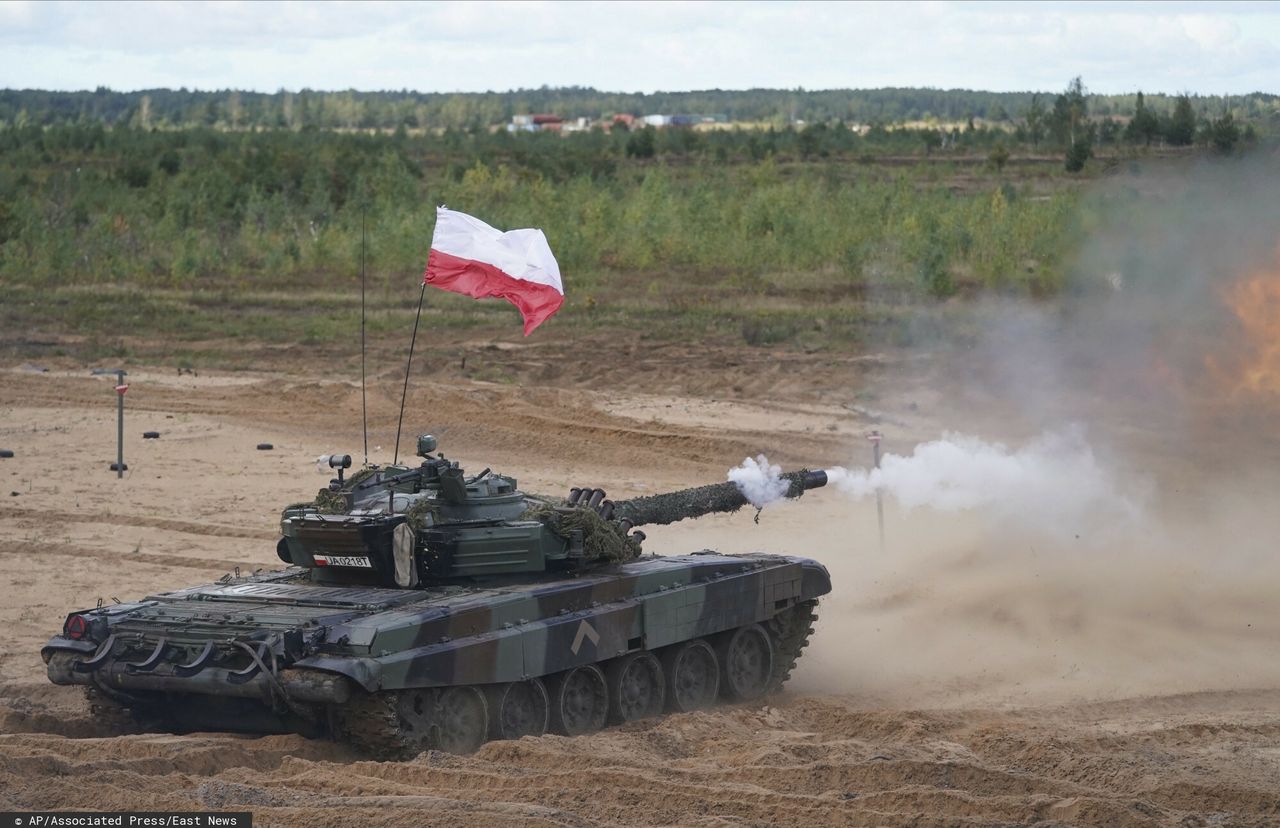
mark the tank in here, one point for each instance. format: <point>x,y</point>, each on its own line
<point>423,608</point>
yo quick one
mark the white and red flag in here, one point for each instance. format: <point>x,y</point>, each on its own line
<point>470,257</point>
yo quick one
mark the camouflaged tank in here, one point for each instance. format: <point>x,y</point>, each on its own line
<point>427,609</point>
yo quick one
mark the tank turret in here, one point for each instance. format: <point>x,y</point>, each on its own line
<point>406,527</point>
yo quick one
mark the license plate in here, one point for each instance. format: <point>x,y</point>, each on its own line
<point>342,560</point>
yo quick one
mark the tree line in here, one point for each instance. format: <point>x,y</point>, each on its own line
<point>388,110</point>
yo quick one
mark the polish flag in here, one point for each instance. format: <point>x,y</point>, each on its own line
<point>470,257</point>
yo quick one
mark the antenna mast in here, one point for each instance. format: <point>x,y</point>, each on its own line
<point>404,395</point>
<point>364,404</point>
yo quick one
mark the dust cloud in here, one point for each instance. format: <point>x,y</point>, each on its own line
<point>1106,527</point>
<point>1053,484</point>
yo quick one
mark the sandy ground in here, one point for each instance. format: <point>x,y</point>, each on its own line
<point>966,674</point>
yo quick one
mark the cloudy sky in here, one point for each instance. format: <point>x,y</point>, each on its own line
<point>1199,47</point>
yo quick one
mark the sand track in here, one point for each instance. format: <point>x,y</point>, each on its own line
<point>799,761</point>
<point>943,688</point>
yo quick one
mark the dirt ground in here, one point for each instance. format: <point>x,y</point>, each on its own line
<point>966,674</point>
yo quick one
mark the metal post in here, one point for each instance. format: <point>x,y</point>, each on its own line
<point>875,437</point>
<point>121,388</point>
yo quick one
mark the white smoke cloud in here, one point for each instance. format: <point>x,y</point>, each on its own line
<point>759,481</point>
<point>1054,484</point>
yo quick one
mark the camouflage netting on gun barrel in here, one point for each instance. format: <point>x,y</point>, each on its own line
<point>656,510</point>
<point>601,539</point>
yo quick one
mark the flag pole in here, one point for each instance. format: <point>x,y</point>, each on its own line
<point>405,393</point>
<point>364,403</point>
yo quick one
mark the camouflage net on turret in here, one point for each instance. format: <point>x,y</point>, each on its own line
<point>422,514</point>
<point>329,502</point>
<point>601,539</point>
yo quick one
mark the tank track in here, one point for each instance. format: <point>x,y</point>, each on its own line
<point>790,632</point>
<point>369,723</point>
<point>111,713</point>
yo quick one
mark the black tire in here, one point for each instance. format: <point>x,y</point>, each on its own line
<point>693,676</point>
<point>462,720</point>
<point>746,663</point>
<point>521,708</point>
<point>414,721</point>
<point>637,688</point>
<point>579,701</point>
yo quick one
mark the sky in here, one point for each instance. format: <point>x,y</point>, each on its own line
<point>1199,47</point>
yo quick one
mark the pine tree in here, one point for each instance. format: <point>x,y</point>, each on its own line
<point>1035,118</point>
<point>1181,129</point>
<point>1144,127</point>
<point>1224,134</point>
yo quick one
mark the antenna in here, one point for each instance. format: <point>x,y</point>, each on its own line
<point>405,393</point>
<point>364,403</point>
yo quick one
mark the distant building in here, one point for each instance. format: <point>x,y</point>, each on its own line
<point>535,123</point>
<point>655,120</point>
<point>521,123</point>
<point>548,123</point>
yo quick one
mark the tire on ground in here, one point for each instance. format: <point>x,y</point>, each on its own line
<point>637,687</point>
<point>579,700</point>
<point>693,675</point>
<point>520,708</point>
<point>746,663</point>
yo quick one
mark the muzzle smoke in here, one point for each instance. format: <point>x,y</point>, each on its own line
<point>759,481</point>
<point>1054,484</point>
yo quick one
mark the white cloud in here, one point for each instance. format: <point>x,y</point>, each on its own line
<point>634,46</point>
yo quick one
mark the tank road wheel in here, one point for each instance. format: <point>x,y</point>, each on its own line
<point>693,675</point>
<point>746,660</point>
<point>579,701</point>
<point>415,716</point>
<point>636,687</point>
<point>462,720</point>
<point>521,708</point>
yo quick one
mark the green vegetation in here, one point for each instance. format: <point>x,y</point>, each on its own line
<point>206,209</point>
<point>206,233</point>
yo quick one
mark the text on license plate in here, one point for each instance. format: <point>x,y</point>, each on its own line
<point>342,560</point>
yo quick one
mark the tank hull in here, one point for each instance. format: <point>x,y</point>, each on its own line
<point>308,652</point>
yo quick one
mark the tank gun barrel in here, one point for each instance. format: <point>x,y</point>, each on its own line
<point>656,510</point>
